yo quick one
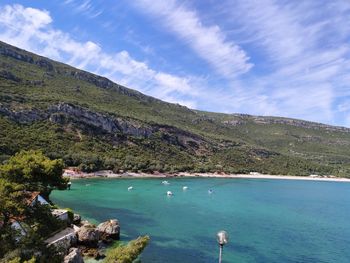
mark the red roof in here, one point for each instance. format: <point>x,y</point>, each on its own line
<point>30,196</point>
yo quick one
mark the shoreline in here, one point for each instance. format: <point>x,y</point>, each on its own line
<point>109,174</point>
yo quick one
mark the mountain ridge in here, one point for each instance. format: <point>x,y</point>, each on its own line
<point>104,82</point>
<point>84,112</point>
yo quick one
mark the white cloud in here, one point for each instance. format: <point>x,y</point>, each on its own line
<point>31,29</point>
<point>300,52</point>
<point>304,49</point>
<point>209,42</point>
<point>173,82</point>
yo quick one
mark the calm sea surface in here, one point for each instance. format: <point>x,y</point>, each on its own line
<point>267,220</point>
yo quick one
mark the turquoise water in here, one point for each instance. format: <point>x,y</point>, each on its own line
<point>267,220</point>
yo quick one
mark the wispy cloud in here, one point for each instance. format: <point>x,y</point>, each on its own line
<point>305,54</point>
<point>209,42</point>
<point>85,7</point>
<point>31,29</point>
<point>300,51</point>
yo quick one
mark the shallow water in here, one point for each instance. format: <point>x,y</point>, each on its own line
<point>267,220</point>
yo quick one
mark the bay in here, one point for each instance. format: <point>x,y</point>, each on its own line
<point>267,220</point>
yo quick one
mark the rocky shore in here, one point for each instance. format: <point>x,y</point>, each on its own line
<point>88,240</point>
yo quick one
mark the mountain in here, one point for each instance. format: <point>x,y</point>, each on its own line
<point>94,123</point>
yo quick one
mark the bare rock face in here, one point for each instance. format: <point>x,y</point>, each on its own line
<point>88,235</point>
<point>109,230</point>
<point>9,75</point>
<point>74,256</point>
<point>22,116</point>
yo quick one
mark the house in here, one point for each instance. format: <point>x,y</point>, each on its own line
<point>34,198</point>
<point>60,214</point>
<point>17,225</point>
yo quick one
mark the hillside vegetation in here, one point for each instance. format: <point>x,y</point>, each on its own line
<point>91,122</point>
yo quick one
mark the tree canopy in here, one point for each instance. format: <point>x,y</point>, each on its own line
<point>35,171</point>
<point>24,173</point>
<point>11,200</point>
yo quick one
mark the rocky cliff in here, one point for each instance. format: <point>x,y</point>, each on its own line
<point>64,114</point>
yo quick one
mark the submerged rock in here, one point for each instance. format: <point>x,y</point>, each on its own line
<point>74,256</point>
<point>92,253</point>
<point>109,230</point>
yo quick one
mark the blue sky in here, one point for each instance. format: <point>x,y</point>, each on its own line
<point>261,57</point>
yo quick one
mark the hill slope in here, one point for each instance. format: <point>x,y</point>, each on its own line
<point>90,121</point>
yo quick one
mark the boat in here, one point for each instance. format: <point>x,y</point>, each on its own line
<point>185,188</point>
<point>165,182</point>
<point>130,188</point>
<point>169,193</point>
<point>210,191</point>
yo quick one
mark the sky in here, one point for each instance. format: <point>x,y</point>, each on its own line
<point>261,57</point>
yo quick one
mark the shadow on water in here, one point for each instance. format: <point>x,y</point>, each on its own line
<point>162,249</point>
<point>244,251</point>
<point>129,219</point>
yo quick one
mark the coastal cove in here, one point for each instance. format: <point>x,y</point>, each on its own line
<point>268,220</point>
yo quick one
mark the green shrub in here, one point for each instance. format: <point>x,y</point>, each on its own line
<point>127,253</point>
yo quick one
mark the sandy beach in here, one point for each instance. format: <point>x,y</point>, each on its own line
<point>110,174</point>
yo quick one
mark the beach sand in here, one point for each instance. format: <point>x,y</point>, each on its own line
<point>109,174</point>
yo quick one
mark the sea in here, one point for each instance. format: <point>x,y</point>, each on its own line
<point>267,220</point>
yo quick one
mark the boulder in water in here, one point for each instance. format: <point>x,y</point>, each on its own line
<point>109,230</point>
<point>88,235</point>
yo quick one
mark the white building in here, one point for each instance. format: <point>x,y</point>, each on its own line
<point>34,197</point>
<point>60,214</point>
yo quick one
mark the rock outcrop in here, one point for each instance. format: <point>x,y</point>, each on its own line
<point>74,256</point>
<point>9,75</point>
<point>76,219</point>
<point>18,54</point>
<point>109,230</point>
<point>23,116</point>
<point>65,113</point>
<point>88,235</point>
<point>15,53</point>
<point>243,119</point>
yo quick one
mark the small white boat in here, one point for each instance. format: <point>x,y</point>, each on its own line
<point>210,191</point>
<point>130,188</point>
<point>185,188</point>
<point>165,182</point>
<point>169,193</point>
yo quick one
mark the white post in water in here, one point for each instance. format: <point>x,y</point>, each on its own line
<point>222,238</point>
